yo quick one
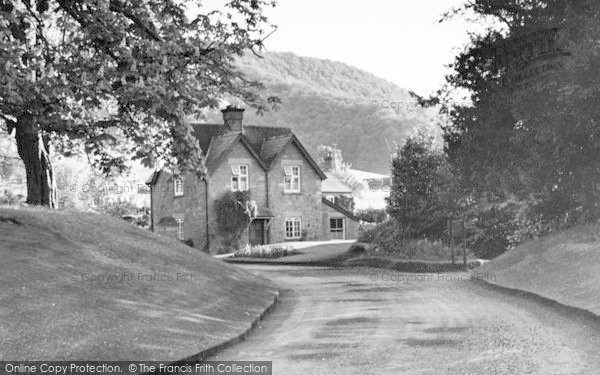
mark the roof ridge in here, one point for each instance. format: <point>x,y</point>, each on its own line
<point>228,134</point>
<point>279,136</point>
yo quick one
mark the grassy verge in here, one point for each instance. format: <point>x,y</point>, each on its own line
<point>564,267</point>
<point>320,254</point>
<point>266,251</point>
<point>84,286</point>
<point>368,255</point>
<point>416,266</point>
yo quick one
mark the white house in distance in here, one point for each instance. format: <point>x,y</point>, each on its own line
<point>373,191</point>
<point>370,189</point>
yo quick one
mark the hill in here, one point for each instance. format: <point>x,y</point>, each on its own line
<point>564,266</point>
<point>79,286</point>
<point>327,102</point>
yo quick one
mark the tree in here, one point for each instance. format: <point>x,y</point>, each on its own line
<point>116,79</point>
<point>330,159</point>
<point>532,130</point>
<point>344,202</point>
<point>235,212</point>
<point>371,215</point>
<point>422,196</point>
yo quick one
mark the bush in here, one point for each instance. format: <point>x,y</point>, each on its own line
<point>345,202</point>
<point>9,198</point>
<point>189,242</point>
<point>372,215</point>
<point>390,238</point>
<point>232,218</point>
<point>357,249</point>
<point>265,251</point>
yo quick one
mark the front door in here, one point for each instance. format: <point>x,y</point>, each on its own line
<point>257,232</point>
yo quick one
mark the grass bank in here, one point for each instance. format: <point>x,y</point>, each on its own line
<point>85,286</point>
<point>564,267</point>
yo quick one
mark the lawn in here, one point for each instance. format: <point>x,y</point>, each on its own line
<point>85,286</point>
<point>564,266</point>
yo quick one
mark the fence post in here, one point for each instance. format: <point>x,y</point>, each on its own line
<point>464,243</point>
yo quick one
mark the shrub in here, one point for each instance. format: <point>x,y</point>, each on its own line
<point>232,218</point>
<point>266,251</point>
<point>390,238</point>
<point>372,215</point>
<point>345,202</point>
<point>357,249</point>
<point>189,242</point>
<point>9,198</point>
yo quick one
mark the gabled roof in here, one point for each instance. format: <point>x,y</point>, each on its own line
<point>333,185</point>
<point>364,175</point>
<point>151,181</point>
<point>220,147</point>
<point>339,209</point>
<point>273,146</point>
<point>255,135</point>
<point>264,143</point>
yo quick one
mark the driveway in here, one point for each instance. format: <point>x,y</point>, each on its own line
<point>373,321</point>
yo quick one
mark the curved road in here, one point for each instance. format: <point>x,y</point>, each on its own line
<point>373,321</point>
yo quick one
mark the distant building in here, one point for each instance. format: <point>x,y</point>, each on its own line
<point>368,189</point>
<point>373,191</point>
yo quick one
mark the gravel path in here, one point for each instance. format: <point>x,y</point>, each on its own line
<point>368,321</point>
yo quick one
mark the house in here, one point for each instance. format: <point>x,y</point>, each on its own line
<point>373,189</point>
<point>333,187</point>
<point>271,163</point>
<point>368,189</point>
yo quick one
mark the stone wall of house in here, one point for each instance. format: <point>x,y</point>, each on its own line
<point>351,226</point>
<point>305,205</point>
<point>190,207</point>
<point>220,182</point>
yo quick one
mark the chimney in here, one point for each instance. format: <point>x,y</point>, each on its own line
<point>328,161</point>
<point>232,117</point>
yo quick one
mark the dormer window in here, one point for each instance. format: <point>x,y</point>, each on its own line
<point>291,179</point>
<point>178,187</point>
<point>239,177</point>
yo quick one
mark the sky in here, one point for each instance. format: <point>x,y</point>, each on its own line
<point>398,40</point>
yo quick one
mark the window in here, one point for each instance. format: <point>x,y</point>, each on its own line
<point>178,187</point>
<point>180,233</point>
<point>292,228</point>
<point>291,179</point>
<point>336,227</point>
<point>239,177</point>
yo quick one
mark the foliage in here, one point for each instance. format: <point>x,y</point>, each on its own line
<point>357,248</point>
<point>233,217</point>
<point>117,79</point>
<point>371,215</point>
<point>315,92</point>
<point>81,188</point>
<point>9,159</point>
<point>8,198</point>
<point>537,142</point>
<point>388,234</point>
<point>345,202</point>
<point>422,197</point>
<point>266,251</point>
<point>188,242</point>
<point>330,158</point>
<point>120,207</point>
<point>391,239</point>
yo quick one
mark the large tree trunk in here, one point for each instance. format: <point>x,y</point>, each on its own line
<point>34,151</point>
